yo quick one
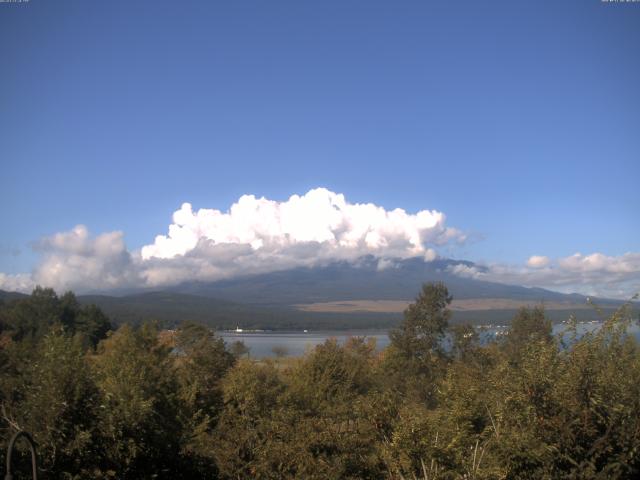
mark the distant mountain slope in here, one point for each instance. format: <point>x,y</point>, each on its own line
<point>8,296</point>
<point>336,296</point>
<point>341,281</point>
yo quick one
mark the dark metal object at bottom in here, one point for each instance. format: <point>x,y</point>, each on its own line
<point>32,447</point>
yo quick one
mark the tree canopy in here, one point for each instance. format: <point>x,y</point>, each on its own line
<point>142,402</point>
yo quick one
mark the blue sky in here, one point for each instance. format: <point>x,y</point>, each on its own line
<point>518,120</point>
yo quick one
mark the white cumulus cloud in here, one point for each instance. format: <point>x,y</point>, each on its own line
<point>254,235</point>
<point>258,235</point>
<point>320,216</point>
<point>75,260</point>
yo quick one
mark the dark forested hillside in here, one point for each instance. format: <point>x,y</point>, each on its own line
<point>173,308</point>
<point>8,296</point>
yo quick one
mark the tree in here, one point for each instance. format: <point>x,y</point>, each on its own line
<point>138,415</point>
<point>425,323</point>
<point>416,356</point>
<point>201,362</point>
<point>329,378</point>
<point>32,317</point>
<point>89,322</point>
<point>464,341</point>
<point>530,325</point>
<point>239,349</point>
<point>56,402</point>
<point>92,324</point>
<point>242,445</point>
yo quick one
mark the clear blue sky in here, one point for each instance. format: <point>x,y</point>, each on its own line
<point>519,120</point>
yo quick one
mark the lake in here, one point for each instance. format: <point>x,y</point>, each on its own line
<point>261,344</point>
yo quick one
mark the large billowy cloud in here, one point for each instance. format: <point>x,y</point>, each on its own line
<point>75,260</point>
<point>258,235</point>
<point>255,235</point>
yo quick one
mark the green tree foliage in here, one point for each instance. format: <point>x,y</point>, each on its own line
<point>56,402</point>
<point>464,341</point>
<point>425,323</point>
<point>572,413</point>
<point>330,376</point>
<point>138,414</point>
<point>91,324</point>
<point>416,356</point>
<point>530,325</point>
<point>328,395</point>
<point>239,349</point>
<point>435,404</point>
<point>200,365</point>
<point>244,442</point>
<point>308,421</point>
<point>30,318</point>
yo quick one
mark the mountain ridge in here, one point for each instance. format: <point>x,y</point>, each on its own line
<point>362,280</point>
<point>333,296</point>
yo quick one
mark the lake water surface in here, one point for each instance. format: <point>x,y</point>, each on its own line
<point>295,344</point>
<point>261,344</point>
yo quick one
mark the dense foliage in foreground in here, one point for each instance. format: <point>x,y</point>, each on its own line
<point>144,403</point>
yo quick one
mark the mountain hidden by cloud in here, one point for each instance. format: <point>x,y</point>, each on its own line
<point>254,235</point>
<point>260,235</point>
